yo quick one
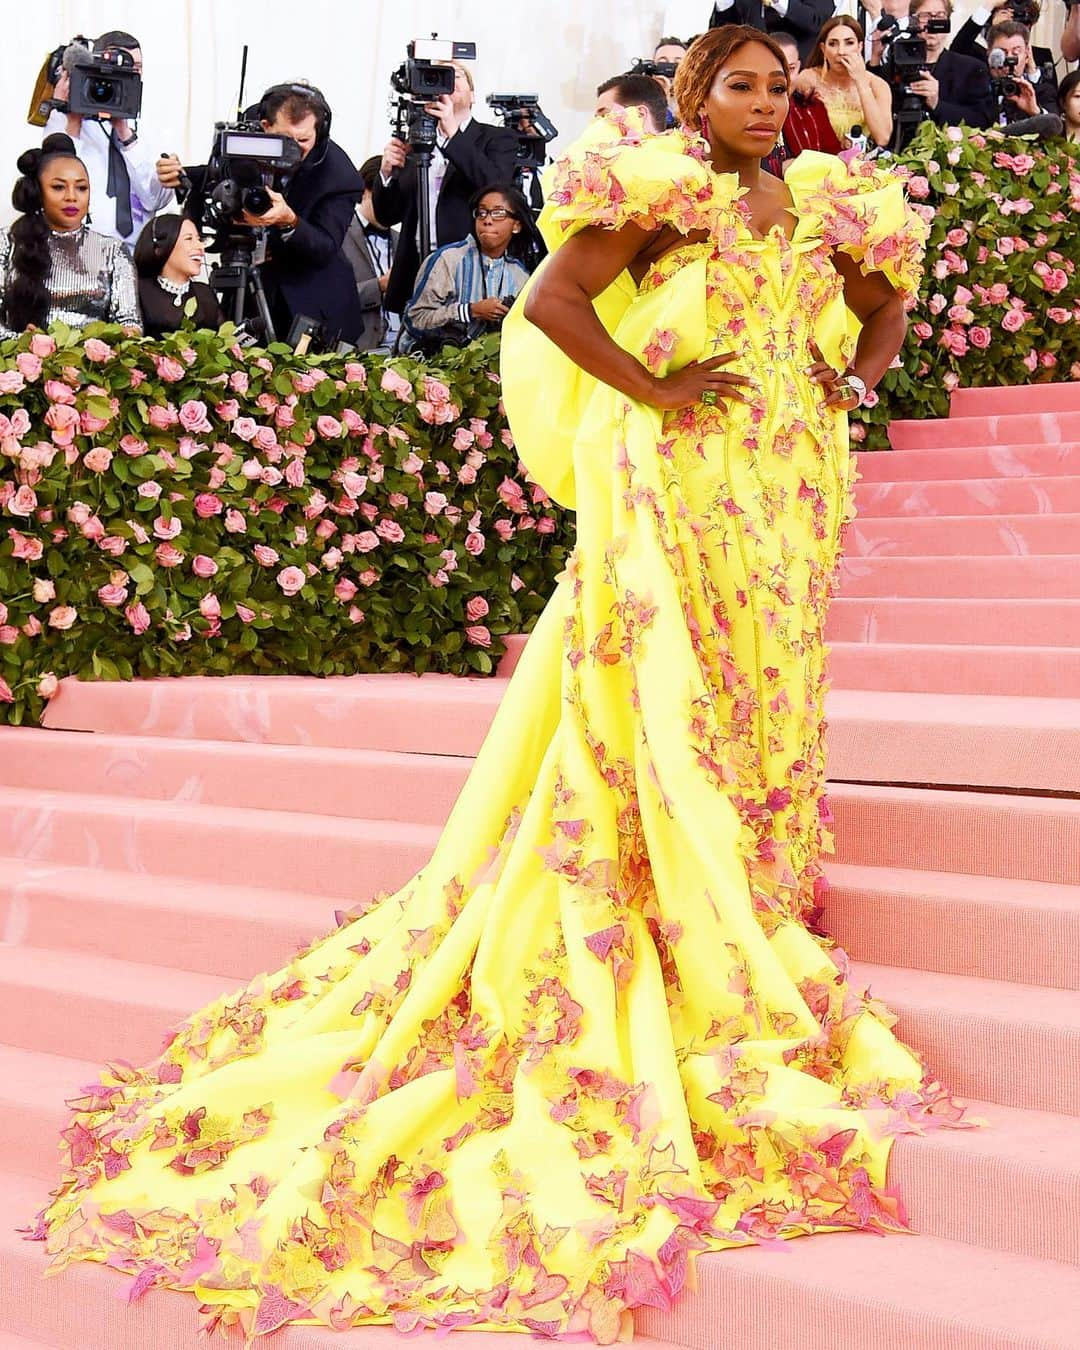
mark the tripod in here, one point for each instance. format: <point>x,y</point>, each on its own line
<point>237,275</point>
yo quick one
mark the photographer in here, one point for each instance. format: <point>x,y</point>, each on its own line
<point>956,89</point>
<point>801,18</point>
<point>644,92</point>
<point>124,189</point>
<point>973,39</point>
<point>669,51</point>
<point>467,155</point>
<point>305,271</point>
<point>1020,87</point>
<point>370,249</point>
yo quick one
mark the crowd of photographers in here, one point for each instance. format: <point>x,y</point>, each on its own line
<point>431,240</point>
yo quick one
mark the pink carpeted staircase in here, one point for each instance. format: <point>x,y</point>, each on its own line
<point>206,828</point>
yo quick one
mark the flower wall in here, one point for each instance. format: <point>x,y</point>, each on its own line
<point>186,507</point>
<point>1000,297</point>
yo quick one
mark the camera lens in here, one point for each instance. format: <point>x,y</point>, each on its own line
<point>102,92</point>
<point>257,201</point>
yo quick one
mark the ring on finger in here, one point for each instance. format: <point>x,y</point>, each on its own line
<point>708,396</point>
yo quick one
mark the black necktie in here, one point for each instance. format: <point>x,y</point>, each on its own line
<point>119,185</point>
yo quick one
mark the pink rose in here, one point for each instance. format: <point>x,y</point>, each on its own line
<point>167,529</point>
<point>435,391</point>
<point>11,382</point>
<point>228,410</point>
<point>210,607</point>
<point>6,696</point>
<point>168,370</point>
<point>390,530</point>
<point>138,616</point>
<point>63,422</point>
<point>329,428</point>
<point>354,423</point>
<point>922,330</point>
<point>474,543</point>
<point>304,382</point>
<point>504,529</point>
<point>203,566</point>
<point>245,428</point>
<point>466,475</point>
<point>207,505</point>
<point>235,522</point>
<point>162,418</point>
<point>9,635</point>
<point>193,416</point>
<point>56,391</point>
<point>62,617</point>
<point>393,383</point>
<point>149,490</point>
<point>47,686</point>
<point>168,555</point>
<point>136,377</point>
<point>366,541</point>
<point>477,608</point>
<point>979,337</point>
<point>546,524</point>
<point>112,595</point>
<point>133,446</point>
<point>25,548</point>
<point>355,373</point>
<point>284,417</point>
<point>41,344</point>
<point>44,590</point>
<point>113,543</point>
<point>957,238</point>
<point>20,424</point>
<point>98,459</point>
<point>356,614</point>
<point>244,614</point>
<point>96,350</point>
<point>478,635</point>
<point>24,502</point>
<point>29,365</point>
<point>294,473</point>
<point>238,382</point>
<point>265,439</point>
<point>265,556</point>
<point>345,590</point>
<point>918,186</point>
<point>291,580</point>
<point>435,503</point>
<point>1013,320</point>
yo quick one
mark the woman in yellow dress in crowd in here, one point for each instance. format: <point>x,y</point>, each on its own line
<point>595,1036</point>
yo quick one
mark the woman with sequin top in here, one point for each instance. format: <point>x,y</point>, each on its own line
<point>53,267</point>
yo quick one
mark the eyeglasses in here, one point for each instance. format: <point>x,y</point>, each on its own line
<point>492,213</point>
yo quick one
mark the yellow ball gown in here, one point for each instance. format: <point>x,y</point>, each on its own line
<point>595,1036</point>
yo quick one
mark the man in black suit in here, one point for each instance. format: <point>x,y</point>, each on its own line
<point>801,18</point>
<point>305,271</point>
<point>956,88</point>
<point>468,155</point>
<point>370,249</point>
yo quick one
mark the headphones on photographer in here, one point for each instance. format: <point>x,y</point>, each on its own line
<point>312,95</point>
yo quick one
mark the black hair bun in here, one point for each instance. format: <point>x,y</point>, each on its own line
<point>58,143</point>
<point>29,162</point>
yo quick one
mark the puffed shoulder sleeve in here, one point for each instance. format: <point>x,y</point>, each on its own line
<point>864,213</point>
<point>616,175</point>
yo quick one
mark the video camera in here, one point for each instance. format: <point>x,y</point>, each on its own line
<point>101,83</point>
<point>903,61</point>
<point>521,114</point>
<point>665,69</point>
<point>418,81</point>
<point>244,162</point>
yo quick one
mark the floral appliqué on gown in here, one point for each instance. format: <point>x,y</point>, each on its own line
<point>595,1036</point>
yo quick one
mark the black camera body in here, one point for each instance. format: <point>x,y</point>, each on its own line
<point>106,83</point>
<point>244,162</point>
<point>418,81</point>
<point>641,66</point>
<point>1023,11</point>
<point>522,114</point>
<point>1003,77</point>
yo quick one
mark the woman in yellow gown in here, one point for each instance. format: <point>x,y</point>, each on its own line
<point>594,1036</point>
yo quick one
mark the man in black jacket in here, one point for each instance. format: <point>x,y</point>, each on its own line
<point>801,18</point>
<point>468,155</point>
<point>305,271</point>
<point>956,88</point>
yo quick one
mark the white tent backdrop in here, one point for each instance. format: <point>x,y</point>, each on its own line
<point>560,49</point>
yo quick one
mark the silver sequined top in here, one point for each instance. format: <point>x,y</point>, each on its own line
<point>92,278</point>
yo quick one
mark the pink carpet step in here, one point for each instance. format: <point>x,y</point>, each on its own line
<point>989,623</point>
<point>944,536</point>
<point>882,736</point>
<point>1060,396</point>
<point>980,577</point>
<point>368,783</point>
<point>1034,426</point>
<point>920,668</point>
<point>857,1291</point>
<point>969,497</point>
<point>973,833</point>
<point>990,1039</point>
<point>380,711</point>
<point>228,931</point>
<point>1027,458</point>
<point>1027,932</point>
<point>233,845</point>
<point>992,1187</point>
<point>83,1309</point>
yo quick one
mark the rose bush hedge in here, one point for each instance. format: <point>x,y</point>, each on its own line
<point>1000,297</point>
<point>189,507</point>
